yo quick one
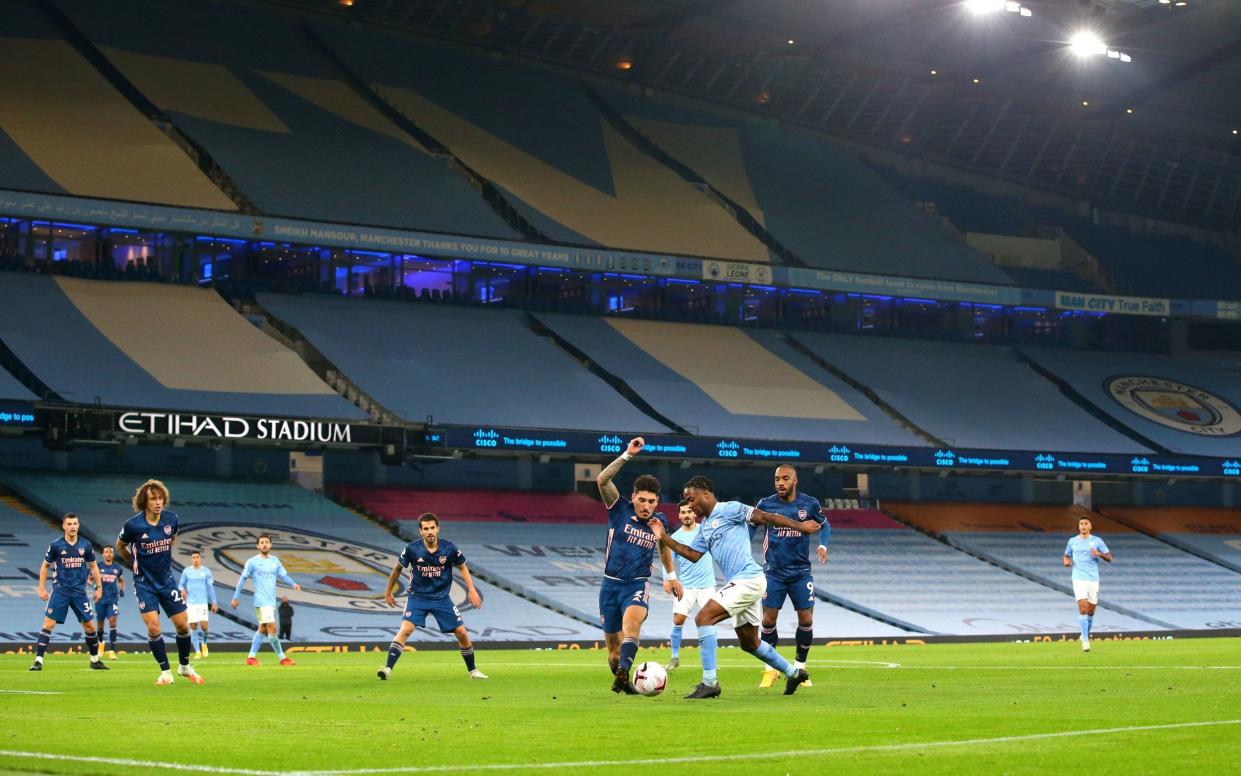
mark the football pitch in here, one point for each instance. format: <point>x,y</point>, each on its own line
<point>1127,707</point>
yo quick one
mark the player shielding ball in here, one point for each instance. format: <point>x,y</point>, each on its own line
<point>430,561</point>
<point>624,596</point>
<point>724,534</point>
<point>145,544</point>
<point>1083,553</point>
<point>73,558</point>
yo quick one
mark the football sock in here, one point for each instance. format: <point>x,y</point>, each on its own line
<point>194,639</point>
<point>1084,623</point>
<point>1089,624</point>
<point>629,650</point>
<point>275,644</point>
<point>159,651</point>
<point>255,643</point>
<point>40,646</point>
<point>805,637</point>
<point>676,640</point>
<point>202,638</point>
<point>468,656</point>
<point>771,657</point>
<point>112,639</point>
<point>770,636</point>
<point>707,643</point>
<point>183,648</point>
<point>92,646</point>
<point>394,653</point>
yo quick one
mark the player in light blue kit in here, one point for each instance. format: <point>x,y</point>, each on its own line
<point>265,569</point>
<point>198,588</point>
<point>786,560</point>
<point>724,534</point>
<point>1082,553</point>
<point>112,578</point>
<point>146,542</point>
<point>697,578</point>
<point>73,560</point>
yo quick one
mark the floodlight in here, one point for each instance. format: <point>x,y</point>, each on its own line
<point>1086,44</point>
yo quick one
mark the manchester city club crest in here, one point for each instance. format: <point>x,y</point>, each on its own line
<point>1176,405</point>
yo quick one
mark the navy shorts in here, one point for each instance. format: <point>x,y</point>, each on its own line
<point>151,597</point>
<point>59,604</point>
<point>615,596</point>
<point>106,609</point>
<point>800,591</point>
<point>446,614</point>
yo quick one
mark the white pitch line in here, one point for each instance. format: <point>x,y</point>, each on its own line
<point>729,664</point>
<point>767,755</point>
<point>621,763</point>
<point>30,692</point>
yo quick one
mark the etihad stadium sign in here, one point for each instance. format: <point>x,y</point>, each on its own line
<point>237,427</point>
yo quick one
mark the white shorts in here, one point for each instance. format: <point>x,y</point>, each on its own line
<point>197,612</point>
<point>693,598</point>
<point>1086,589</point>
<point>743,599</point>
<point>265,614</point>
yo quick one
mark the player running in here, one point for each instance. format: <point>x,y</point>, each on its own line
<point>1082,553</point>
<point>786,558</point>
<point>198,588</point>
<point>73,559</point>
<point>265,569</point>
<point>723,533</point>
<point>430,561</point>
<point>145,544</point>
<point>697,578</point>
<point>624,596</point>
<point>112,576</point>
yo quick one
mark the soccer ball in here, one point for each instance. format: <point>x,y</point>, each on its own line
<point>650,678</point>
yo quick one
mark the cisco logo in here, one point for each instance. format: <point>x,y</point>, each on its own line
<point>610,444</point>
<point>838,454</point>
<point>726,448</point>
<point>486,437</point>
<point>1045,462</point>
<point>1140,465</point>
<point>945,458</point>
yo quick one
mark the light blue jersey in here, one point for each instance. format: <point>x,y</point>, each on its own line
<point>1085,567</point>
<point>265,572</point>
<point>198,584</point>
<point>724,533</point>
<point>693,575</point>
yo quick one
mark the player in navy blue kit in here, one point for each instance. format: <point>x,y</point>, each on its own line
<point>430,561</point>
<point>145,544</point>
<point>112,575</point>
<point>73,559</point>
<point>624,596</point>
<point>786,561</point>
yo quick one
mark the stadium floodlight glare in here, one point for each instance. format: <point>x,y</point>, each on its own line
<point>1086,44</point>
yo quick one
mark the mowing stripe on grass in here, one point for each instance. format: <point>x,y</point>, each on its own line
<point>768,755</point>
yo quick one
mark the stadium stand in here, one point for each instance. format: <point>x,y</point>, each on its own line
<point>1052,279</point>
<point>54,137</point>
<point>515,377</point>
<point>279,119</point>
<point>882,566</point>
<point>550,548</point>
<point>968,395</point>
<point>11,388</point>
<point>722,380</point>
<point>817,200</point>
<point>968,209</point>
<point>1150,580</point>
<point>1190,421</point>
<point>189,350</point>
<point>1213,533</point>
<point>534,134</point>
<point>340,559</point>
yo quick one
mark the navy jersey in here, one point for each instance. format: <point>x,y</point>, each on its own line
<point>110,574</point>
<point>430,573</point>
<point>786,552</point>
<point>630,552</point>
<point>70,563</point>
<point>151,546</point>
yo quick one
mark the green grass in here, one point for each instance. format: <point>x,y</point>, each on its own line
<point>542,707</point>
